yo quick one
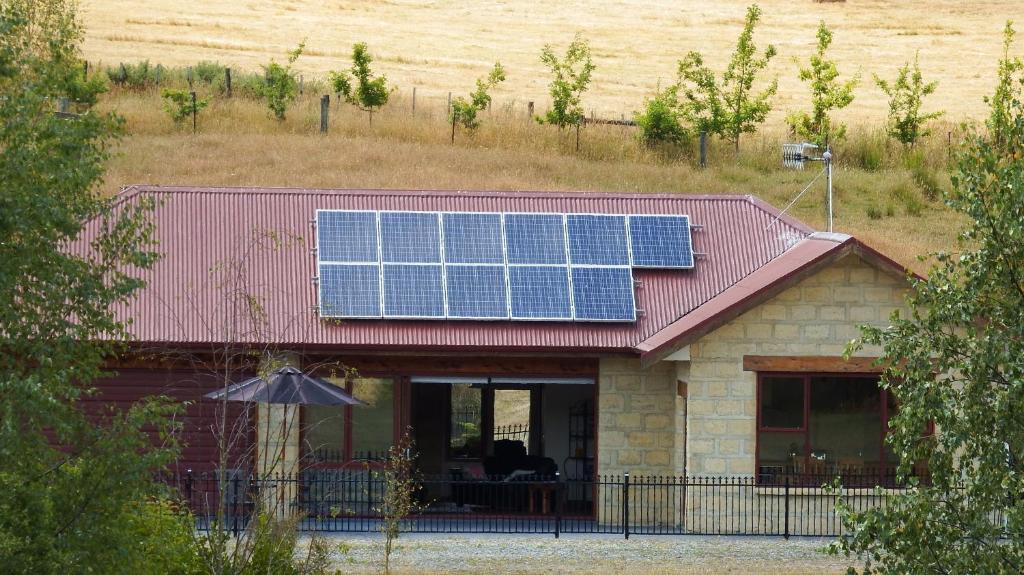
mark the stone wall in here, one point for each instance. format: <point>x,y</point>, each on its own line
<point>818,316</point>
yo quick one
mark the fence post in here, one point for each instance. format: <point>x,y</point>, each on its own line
<point>235,507</point>
<point>558,504</point>
<point>785,533</point>
<point>190,78</point>
<point>188,486</point>
<point>529,110</point>
<point>63,106</point>
<point>302,84</point>
<point>194,112</point>
<point>325,102</point>
<point>227,81</point>
<point>625,504</point>
<point>414,99</point>
<point>703,149</point>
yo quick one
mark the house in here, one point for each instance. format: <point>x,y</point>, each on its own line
<point>726,363</point>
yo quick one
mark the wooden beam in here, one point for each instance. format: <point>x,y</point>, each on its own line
<point>811,363</point>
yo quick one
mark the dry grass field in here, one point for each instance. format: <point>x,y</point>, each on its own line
<point>442,45</point>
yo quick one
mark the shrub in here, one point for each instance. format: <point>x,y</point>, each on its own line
<point>280,87</point>
<point>179,104</point>
<point>166,534</point>
<point>368,92</point>
<point>874,212</point>
<point>659,121</point>
<point>906,194</point>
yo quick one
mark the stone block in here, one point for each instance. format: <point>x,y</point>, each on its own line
<point>658,458</point>
<point>848,294</point>
<point>817,332</point>
<point>657,422</point>
<point>863,313</point>
<point>832,313</point>
<point>645,403</point>
<point>641,439</point>
<point>714,465</point>
<point>773,311</point>
<point>789,295</point>
<point>627,383</point>
<point>802,312</point>
<point>611,438</point>
<point>729,407</point>
<point>881,295</point>
<point>818,294</point>
<point>744,389</point>
<point>629,457</point>
<point>787,332</point>
<point>611,402</point>
<point>740,427</point>
<point>627,421</point>
<point>717,389</point>
<point>759,330</point>
<point>862,274</point>
<point>702,445</point>
<point>730,446</point>
<point>698,407</point>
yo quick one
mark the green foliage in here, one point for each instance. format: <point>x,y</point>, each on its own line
<point>166,535</point>
<point>269,544</point>
<point>729,108</point>
<point>906,122</point>
<point>280,86</point>
<point>463,112</point>
<point>401,487</point>
<point>570,78</point>
<point>70,509</point>
<point>659,122</point>
<point>828,94</point>
<point>368,93</point>
<point>138,76</point>
<point>178,103</point>
<point>957,360</point>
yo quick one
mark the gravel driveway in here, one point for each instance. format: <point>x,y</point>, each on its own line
<point>426,553</point>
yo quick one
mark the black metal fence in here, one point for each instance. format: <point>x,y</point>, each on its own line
<point>349,500</point>
<point>514,431</point>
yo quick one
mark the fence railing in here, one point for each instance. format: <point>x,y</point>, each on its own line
<point>514,431</point>
<point>350,500</point>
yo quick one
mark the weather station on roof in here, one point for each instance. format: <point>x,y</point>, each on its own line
<point>491,265</point>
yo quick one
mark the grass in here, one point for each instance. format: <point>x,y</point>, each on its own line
<point>239,145</point>
<point>443,46</point>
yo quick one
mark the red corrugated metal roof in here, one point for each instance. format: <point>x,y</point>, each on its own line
<point>222,245</point>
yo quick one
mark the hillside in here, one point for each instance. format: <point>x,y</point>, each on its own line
<point>882,196</point>
<point>239,145</point>
<point>442,46</point>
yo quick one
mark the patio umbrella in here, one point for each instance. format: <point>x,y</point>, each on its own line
<point>287,386</point>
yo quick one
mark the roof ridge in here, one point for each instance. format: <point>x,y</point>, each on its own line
<point>433,192</point>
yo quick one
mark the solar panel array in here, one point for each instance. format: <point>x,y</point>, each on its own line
<point>491,266</point>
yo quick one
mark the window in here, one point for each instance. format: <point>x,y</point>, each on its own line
<point>465,422</point>
<point>815,427</point>
<point>340,434</point>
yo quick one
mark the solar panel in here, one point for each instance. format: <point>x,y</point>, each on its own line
<point>661,241</point>
<point>346,236</point>
<point>468,265</point>
<point>603,293</point>
<point>410,237</point>
<point>472,238</point>
<point>476,292</point>
<point>539,292</point>
<point>349,290</point>
<point>597,239</point>
<point>413,291</point>
<point>535,238</point>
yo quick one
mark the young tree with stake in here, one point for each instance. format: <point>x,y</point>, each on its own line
<point>368,93</point>
<point>906,122</point>
<point>828,95</point>
<point>571,76</point>
<point>464,111</point>
<point>732,108</point>
<point>280,87</point>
